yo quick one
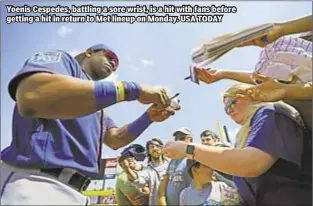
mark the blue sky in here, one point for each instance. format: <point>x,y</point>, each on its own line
<point>151,53</point>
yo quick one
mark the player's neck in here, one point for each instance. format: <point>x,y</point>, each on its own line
<point>86,68</point>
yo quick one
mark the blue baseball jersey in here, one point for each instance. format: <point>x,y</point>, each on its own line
<point>179,179</point>
<point>289,180</point>
<point>56,143</point>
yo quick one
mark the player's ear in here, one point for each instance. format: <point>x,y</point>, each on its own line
<point>88,52</point>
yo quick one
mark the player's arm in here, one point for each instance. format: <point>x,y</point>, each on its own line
<point>47,87</point>
<point>119,137</point>
<point>162,190</point>
<point>116,137</point>
<point>56,96</point>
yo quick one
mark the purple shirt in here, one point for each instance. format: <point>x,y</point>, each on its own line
<point>56,143</point>
<point>288,181</point>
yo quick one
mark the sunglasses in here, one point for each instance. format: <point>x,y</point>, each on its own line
<point>230,105</point>
<point>111,56</point>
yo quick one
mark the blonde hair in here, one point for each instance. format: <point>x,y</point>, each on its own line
<point>253,107</point>
<point>235,89</point>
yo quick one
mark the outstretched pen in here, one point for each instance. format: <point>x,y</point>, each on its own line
<point>186,78</point>
<point>176,95</point>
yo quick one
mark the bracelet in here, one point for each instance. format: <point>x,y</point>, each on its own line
<point>121,91</point>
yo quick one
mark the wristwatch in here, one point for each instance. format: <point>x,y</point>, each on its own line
<point>190,151</point>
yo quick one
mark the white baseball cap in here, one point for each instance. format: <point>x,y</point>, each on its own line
<point>184,130</point>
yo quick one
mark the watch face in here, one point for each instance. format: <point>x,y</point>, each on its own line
<point>190,149</point>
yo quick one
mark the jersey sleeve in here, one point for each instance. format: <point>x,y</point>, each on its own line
<point>109,122</point>
<point>58,62</point>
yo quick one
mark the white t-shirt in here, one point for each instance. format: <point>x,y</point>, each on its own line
<point>161,168</point>
<point>216,193</point>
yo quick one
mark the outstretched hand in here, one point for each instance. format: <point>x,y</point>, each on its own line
<point>269,90</point>
<point>175,149</point>
<point>209,76</point>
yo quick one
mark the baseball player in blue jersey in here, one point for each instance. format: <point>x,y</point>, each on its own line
<point>59,124</point>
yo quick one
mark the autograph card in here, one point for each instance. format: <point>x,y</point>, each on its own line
<point>194,75</point>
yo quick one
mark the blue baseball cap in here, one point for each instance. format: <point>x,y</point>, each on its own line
<point>135,150</point>
<point>108,52</point>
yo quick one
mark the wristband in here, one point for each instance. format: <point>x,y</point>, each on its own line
<point>132,91</point>
<point>105,94</point>
<point>139,125</point>
<point>120,91</point>
<point>109,93</point>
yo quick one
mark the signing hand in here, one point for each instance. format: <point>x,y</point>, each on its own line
<point>158,114</point>
<point>155,95</point>
<point>175,149</point>
<point>270,90</point>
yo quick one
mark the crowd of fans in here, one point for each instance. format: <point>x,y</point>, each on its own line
<point>161,181</point>
<point>271,163</point>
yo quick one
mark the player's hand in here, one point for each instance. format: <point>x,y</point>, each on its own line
<point>269,90</point>
<point>209,76</point>
<point>272,36</point>
<point>158,114</point>
<point>155,95</point>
